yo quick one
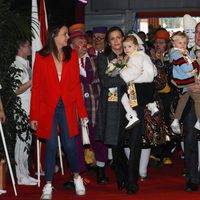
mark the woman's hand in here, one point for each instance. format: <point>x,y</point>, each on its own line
<point>84,121</point>
<point>34,125</point>
<point>194,88</point>
<point>2,116</point>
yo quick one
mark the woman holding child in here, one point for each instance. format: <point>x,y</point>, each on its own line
<point>111,115</point>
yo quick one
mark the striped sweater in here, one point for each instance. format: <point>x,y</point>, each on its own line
<point>181,65</point>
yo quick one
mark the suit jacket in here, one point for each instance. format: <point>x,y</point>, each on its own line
<point>46,91</point>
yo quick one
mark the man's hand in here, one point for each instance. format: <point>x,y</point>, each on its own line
<point>2,114</point>
<point>194,88</point>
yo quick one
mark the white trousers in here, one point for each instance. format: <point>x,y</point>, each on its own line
<point>126,104</point>
<point>144,160</point>
<point>21,157</point>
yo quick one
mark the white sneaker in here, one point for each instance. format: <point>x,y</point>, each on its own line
<point>2,191</point>
<point>32,179</point>
<point>47,192</point>
<point>133,120</point>
<point>152,107</point>
<point>26,181</point>
<point>175,126</point>
<point>79,186</point>
<point>197,125</point>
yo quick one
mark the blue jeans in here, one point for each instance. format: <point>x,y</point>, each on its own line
<point>68,144</point>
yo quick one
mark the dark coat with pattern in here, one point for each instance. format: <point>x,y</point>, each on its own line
<point>110,115</point>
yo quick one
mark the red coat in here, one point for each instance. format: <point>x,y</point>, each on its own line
<point>46,91</point>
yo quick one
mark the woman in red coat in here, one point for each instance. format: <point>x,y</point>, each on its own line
<point>56,100</point>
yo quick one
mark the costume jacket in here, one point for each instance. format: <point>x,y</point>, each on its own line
<point>47,89</point>
<point>90,86</point>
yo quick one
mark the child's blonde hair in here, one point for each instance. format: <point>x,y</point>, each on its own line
<point>177,36</point>
<point>132,38</point>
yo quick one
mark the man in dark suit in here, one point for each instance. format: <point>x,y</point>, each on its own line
<point>190,133</point>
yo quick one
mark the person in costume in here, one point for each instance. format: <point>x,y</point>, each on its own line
<point>91,90</point>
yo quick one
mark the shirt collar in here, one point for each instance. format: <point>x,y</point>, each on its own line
<point>85,56</point>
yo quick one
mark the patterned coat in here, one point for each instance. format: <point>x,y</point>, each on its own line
<point>90,88</point>
<point>110,114</point>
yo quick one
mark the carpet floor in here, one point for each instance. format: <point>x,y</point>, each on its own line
<point>163,183</point>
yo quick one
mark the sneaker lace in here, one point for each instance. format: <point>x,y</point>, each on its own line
<point>79,184</point>
<point>47,190</point>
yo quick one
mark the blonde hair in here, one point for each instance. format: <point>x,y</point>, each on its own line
<point>178,35</point>
<point>131,38</point>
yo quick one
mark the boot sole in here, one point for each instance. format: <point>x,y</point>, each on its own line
<point>132,125</point>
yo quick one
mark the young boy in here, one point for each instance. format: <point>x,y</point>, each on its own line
<point>139,69</point>
<point>183,75</point>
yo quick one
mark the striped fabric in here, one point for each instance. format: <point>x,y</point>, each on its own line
<point>91,89</point>
<point>182,66</point>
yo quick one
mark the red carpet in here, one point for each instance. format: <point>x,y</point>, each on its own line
<point>165,183</point>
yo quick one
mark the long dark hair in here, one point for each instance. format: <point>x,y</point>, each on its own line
<point>108,49</point>
<point>50,45</point>
<point>197,26</point>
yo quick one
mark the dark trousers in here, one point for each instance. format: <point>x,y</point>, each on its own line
<point>128,170</point>
<point>191,144</point>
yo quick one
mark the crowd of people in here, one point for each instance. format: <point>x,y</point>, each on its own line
<point>136,97</point>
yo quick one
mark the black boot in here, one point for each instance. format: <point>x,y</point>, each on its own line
<point>101,177</point>
<point>69,185</point>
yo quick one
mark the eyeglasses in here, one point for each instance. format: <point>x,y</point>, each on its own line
<point>197,32</point>
<point>98,38</point>
<point>160,42</point>
<point>26,45</point>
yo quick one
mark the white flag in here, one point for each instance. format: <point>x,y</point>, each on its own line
<point>35,26</point>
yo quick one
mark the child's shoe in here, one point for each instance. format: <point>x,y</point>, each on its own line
<point>133,120</point>
<point>197,125</point>
<point>175,126</point>
<point>153,108</point>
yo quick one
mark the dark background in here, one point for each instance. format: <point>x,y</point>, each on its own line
<point>59,11</point>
